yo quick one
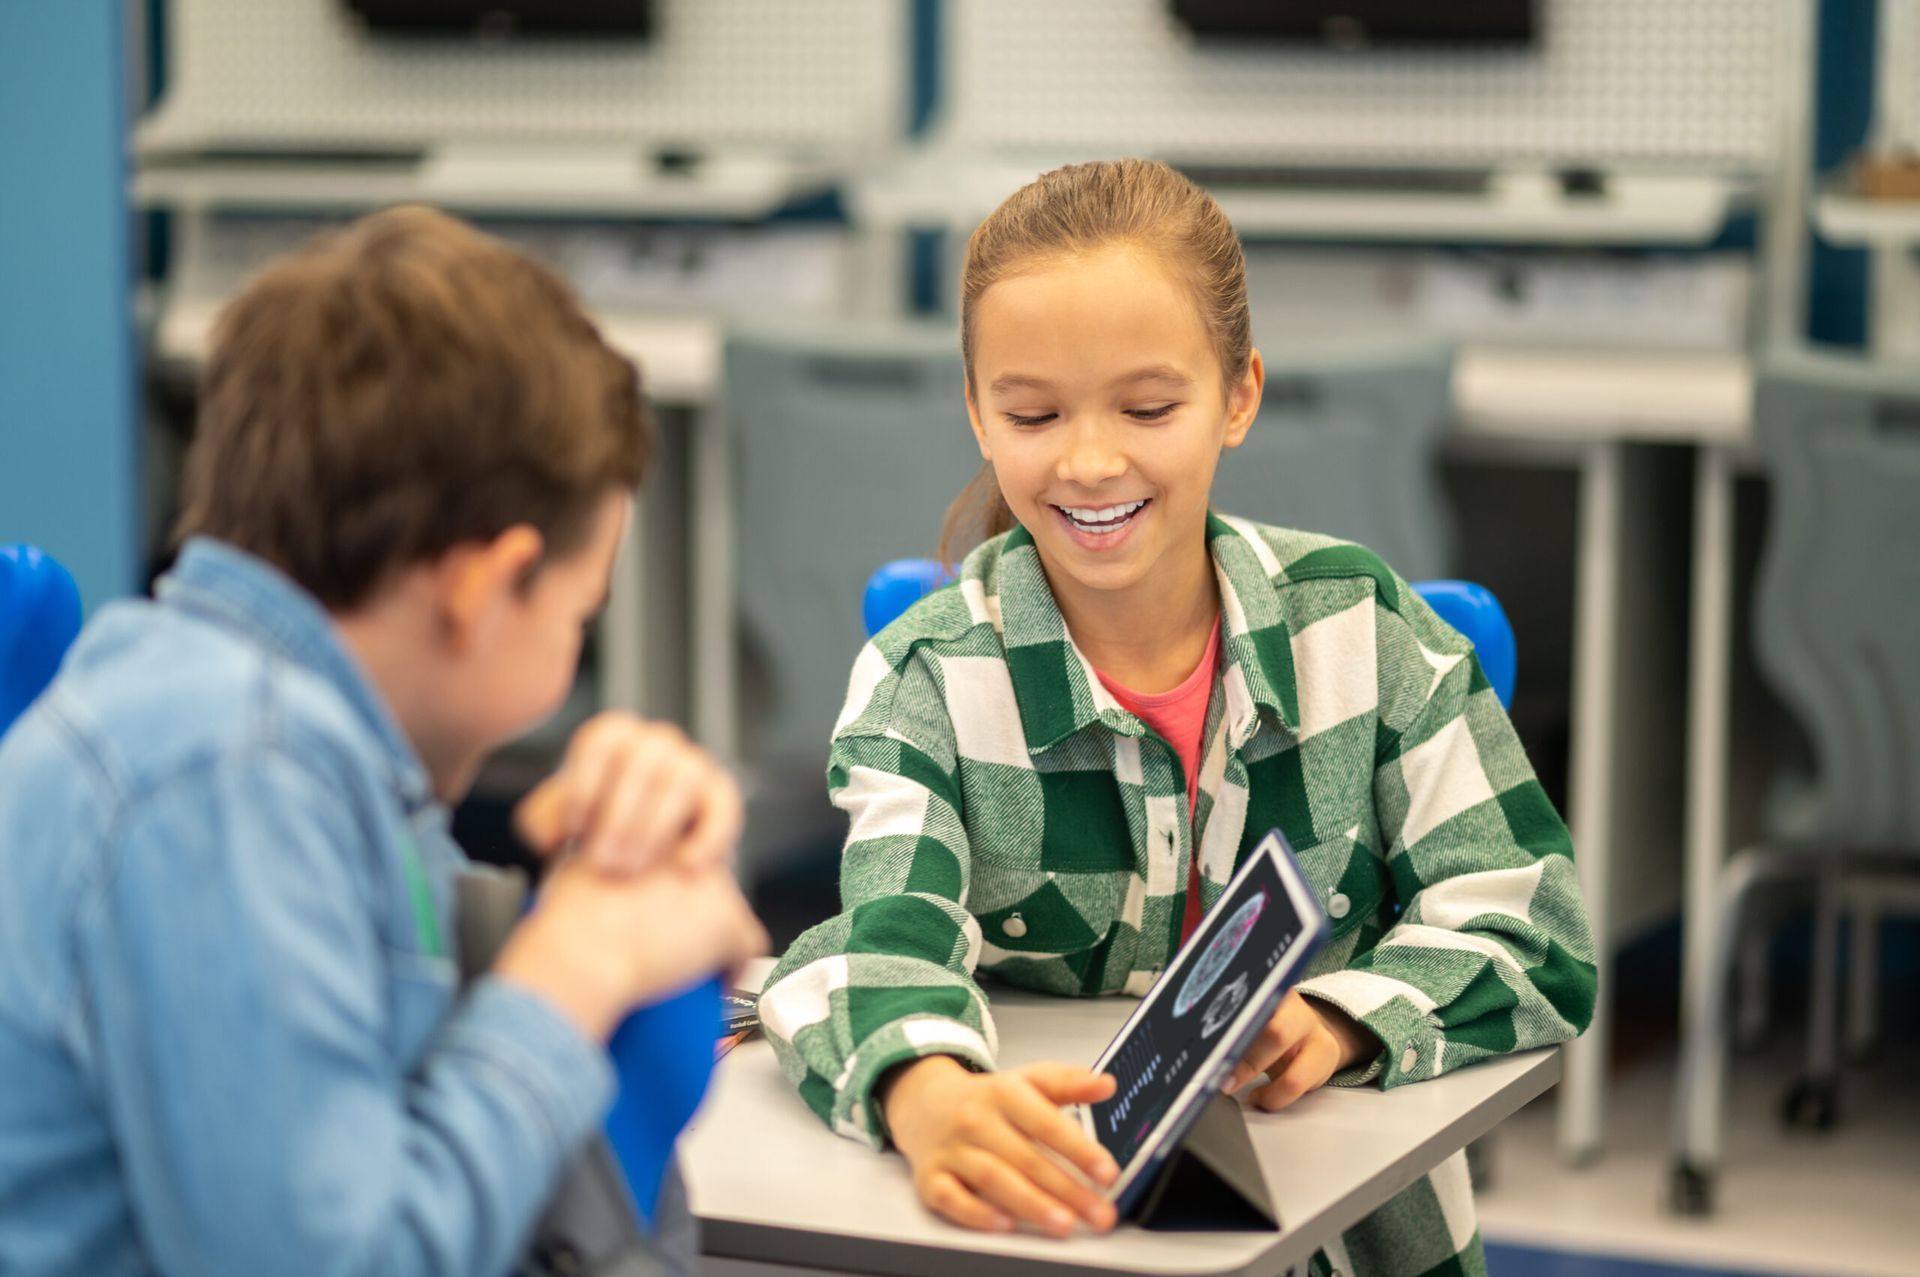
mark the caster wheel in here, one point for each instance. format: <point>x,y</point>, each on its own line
<point>1692,1190</point>
<point>1812,1104</point>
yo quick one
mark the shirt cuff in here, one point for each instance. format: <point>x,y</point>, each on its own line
<point>856,1110</point>
<point>568,1078</point>
<point>1410,1039</point>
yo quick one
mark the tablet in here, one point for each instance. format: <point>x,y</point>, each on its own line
<point>1182,1041</point>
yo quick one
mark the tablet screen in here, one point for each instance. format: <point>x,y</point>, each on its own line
<point>1199,1002</point>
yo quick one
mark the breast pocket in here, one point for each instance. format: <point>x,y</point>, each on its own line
<point>1348,879</point>
<point>420,992</point>
<point>1040,913</point>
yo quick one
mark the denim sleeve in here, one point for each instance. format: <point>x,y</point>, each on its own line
<point>242,1010</point>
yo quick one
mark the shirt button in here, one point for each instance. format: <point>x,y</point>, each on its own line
<point>1014,926</point>
<point>1337,905</point>
<point>1409,1058</point>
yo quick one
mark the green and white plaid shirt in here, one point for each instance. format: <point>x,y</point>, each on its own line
<point>1009,816</point>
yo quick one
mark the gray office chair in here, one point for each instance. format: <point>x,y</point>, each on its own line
<point>1344,444</point>
<point>849,442</point>
<point>1837,633</point>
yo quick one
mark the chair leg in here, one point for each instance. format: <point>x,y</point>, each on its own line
<point>1755,994</point>
<point>1863,982</point>
<point>1699,1099</point>
<point>1811,1103</point>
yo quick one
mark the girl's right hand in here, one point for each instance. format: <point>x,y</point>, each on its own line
<point>989,1150</point>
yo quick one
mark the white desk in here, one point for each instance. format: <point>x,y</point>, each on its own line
<point>773,1186</point>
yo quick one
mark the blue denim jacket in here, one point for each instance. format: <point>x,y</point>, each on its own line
<point>227,1042</point>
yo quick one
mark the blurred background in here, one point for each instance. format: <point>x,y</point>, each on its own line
<point>1609,305</point>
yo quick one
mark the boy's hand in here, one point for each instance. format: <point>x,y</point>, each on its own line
<point>1302,1046</point>
<point>596,946</point>
<point>633,794</point>
<point>990,1149</point>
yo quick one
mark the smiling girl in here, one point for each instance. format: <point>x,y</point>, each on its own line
<point>1053,766</point>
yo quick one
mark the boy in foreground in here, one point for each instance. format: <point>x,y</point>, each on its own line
<point>228,1016</point>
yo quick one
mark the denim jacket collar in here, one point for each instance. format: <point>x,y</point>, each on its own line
<point>235,589</point>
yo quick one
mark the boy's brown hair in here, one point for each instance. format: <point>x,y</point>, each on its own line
<point>400,387</point>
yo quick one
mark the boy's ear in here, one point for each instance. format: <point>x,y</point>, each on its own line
<point>973,419</point>
<point>1243,404</point>
<point>476,577</point>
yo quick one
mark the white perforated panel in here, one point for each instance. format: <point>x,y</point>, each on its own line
<point>303,73</point>
<point>1655,80</point>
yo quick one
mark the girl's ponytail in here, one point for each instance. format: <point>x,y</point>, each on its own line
<point>978,514</point>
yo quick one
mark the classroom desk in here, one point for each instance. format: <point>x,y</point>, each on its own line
<point>774,1188</point>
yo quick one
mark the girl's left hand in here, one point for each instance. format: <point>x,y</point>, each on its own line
<point>1302,1046</point>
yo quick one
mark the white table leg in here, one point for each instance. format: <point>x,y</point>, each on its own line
<point>623,648</point>
<point>1591,783</point>
<point>715,722</point>
<point>1697,1124</point>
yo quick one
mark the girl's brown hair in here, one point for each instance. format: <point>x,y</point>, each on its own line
<point>397,388</point>
<point>1079,209</point>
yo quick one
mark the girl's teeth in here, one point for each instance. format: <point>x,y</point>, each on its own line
<point>1105,514</point>
<point>1103,519</point>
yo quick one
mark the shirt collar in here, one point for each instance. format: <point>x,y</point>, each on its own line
<point>1056,688</point>
<point>248,596</point>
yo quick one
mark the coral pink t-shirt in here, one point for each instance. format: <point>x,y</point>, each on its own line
<point>1179,716</point>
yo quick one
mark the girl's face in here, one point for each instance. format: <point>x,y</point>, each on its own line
<point>1097,397</point>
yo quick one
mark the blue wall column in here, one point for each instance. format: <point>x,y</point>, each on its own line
<point>68,444</point>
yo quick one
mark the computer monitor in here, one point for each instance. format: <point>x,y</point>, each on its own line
<point>1358,23</point>
<point>632,18</point>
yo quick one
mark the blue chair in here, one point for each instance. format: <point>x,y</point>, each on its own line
<point>662,1060</point>
<point>897,586</point>
<point>1472,609</point>
<point>39,616</point>
<point>1467,607</point>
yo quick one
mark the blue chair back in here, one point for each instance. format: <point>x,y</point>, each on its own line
<point>662,1060</point>
<point>1467,607</point>
<point>1472,609</point>
<point>896,587</point>
<point>39,616</point>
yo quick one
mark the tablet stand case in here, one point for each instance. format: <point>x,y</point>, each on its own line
<point>1212,1182</point>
